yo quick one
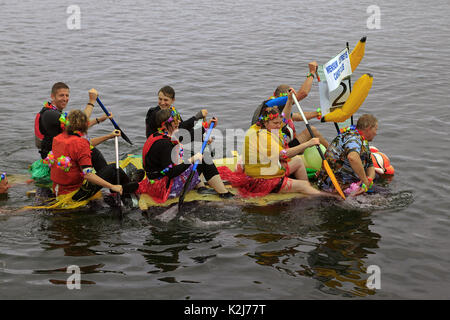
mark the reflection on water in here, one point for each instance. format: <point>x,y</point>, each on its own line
<point>78,234</point>
<point>336,258</point>
<point>316,238</point>
<point>339,260</point>
<point>164,246</point>
<point>75,233</point>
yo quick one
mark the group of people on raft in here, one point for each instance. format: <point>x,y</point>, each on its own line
<point>270,161</point>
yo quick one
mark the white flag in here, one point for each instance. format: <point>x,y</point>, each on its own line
<point>335,99</point>
<point>337,69</point>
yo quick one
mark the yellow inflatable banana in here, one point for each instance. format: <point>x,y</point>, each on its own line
<point>357,53</point>
<point>360,91</point>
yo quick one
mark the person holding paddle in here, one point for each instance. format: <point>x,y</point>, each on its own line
<point>350,158</point>
<point>289,129</point>
<point>166,100</point>
<point>167,172</point>
<point>50,122</point>
<point>269,162</point>
<point>74,180</point>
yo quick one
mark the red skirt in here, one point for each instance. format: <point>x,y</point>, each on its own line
<point>160,192</point>
<point>252,187</point>
<point>157,190</point>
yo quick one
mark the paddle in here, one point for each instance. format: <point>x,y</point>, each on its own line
<point>325,162</point>
<point>123,135</point>
<point>119,202</point>
<point>194,168</point>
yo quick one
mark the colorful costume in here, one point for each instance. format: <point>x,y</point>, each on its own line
<point>70,153</point>
<point>288,128</point>
<point>164,177</point>
<point>78,151</point>
<point>70,160</point>
<point>49,123</point>
<point>263,172</point>
<point>350,139</point>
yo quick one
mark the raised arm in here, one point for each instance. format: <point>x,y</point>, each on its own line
<point>304,90</point>
<point>287,110</point>
<point>93,94</point>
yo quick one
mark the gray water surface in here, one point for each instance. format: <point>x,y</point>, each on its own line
<point>227,57</point>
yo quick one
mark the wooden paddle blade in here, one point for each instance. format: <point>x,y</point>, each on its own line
<point>333,178</point>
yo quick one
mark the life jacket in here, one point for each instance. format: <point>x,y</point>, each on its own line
<point>381,162</point>
<point>158,189</point>
<point>148,144</point>
<point>39,131</point>
<point>37,128</point>
<point>45,145</point>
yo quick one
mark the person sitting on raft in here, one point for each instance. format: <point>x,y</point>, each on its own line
<point>4,185</point>
<point>49,122</point>
<point>350,158</point>
<point>162,158</point>
<point>279,99</point>
<point>71,169</point>
<point>269,161</point>
<point>166,100</point>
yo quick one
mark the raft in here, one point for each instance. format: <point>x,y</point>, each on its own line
<point>310,157</point>
<point>134,162</point>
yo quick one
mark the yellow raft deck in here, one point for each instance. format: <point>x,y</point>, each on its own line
<point>312,161</point>
<point>146,202</point>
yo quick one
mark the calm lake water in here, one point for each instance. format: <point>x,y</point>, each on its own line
<point>227,57</point>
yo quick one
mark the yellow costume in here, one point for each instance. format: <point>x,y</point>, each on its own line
<point>262,153</point>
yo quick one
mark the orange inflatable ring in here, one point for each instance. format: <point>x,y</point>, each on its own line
<point>381,162</point>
